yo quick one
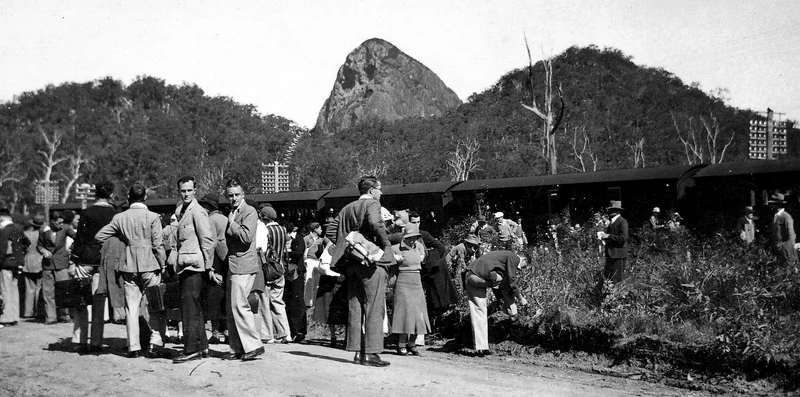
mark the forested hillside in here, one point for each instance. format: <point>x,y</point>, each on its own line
<point>147,132</point>
<point>627,113</point>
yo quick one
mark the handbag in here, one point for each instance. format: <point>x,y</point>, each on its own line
<point>362,249</point>
<point>73,293</point>
<point>272,267</point>
<point>163,296</point>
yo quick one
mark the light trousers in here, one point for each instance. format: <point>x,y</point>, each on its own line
<point>80,315</point>
<point>476,289</point>
<point>9,289</point>
<point>134,285</point>
<point>311,282</point>
<point>274,323</point>
<point>243,333</point>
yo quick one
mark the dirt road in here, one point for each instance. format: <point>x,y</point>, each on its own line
<point>35,360</point>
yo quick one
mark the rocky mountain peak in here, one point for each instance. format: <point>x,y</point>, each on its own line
<point>378,80</point>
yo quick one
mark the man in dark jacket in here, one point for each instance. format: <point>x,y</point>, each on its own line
<point>783,235</point>
<point>86,258</point>
<point>616,240</point>
<point>366,284</point>
<point>52,245</point>
<point>293,293</point>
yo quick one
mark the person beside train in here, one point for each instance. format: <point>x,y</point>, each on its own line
<point>495,270</point>
<point>213,295</point>
<point>410,315</point>
<point>315,243</point>
<point>273,322</point>
<point>746,226</point>
<point>85,257</point>
<point>140,229</point>
<point>243,264</point>
<point>331,303</point>
<point>194,260</point>
<point>294,288</point>
<point>366,284</point>
<point>459,257</point>
<point>783,234</point>
<point>14,244</point>
<point>32,271</point>
<point>52,244</point>
<point>616,243</point>
<point>655,222</point>
<point>506,231</point>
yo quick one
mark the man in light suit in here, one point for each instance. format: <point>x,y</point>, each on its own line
<point>243,265</point>
<point>783,235</point>
<point>616,239</point>
<point>140,230</point>
<point>366,284</point>
<point>195,247</point>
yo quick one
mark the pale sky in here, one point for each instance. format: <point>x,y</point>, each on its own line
<point>282,56</point>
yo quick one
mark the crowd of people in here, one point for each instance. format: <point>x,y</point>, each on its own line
<point>255,280</point>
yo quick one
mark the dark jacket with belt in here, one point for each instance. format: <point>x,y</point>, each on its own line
<point>617,241</point>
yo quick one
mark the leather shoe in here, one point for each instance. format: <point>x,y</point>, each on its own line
<point>155,352</point>
<point>401,351</point>
<point>373,360</point>
<point>232,356</point>
<point>413,351</point>
<point>204,353</point>
<point>357,358</point>
<point>134,354</point>
<point>187,357</point>
<point>252,355</point>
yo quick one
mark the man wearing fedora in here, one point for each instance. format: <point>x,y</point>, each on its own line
<point>460,256</point>
<point>616,239</point>
<point>783,236</point>
<point>32,270</point>
<point>746,227</point>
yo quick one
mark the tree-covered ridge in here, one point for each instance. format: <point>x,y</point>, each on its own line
<point>148,132</point>
<point>609,100</point>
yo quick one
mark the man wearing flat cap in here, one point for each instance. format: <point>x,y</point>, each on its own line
<point>783,236</point>
<point>506,231</point>
<point>616,239</point>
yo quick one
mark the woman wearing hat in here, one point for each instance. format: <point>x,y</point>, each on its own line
<point>410,317</point>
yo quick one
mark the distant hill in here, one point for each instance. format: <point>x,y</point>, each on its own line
<point>377,80</point>
<point>606,94</point>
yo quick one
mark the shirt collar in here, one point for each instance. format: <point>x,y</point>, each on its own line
<point>365,196</point>
<point>138,205</point>
<point>614,218</point>
<point>780,211</point>
<point>103,204</point>
<point>5,223</point>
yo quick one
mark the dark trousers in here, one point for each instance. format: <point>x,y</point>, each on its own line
<point>294,298</point>
<point>614,269</point>
<point>49,278</point>
<point>366,292</point>
<point>194,330</point>
<point>213,298</point>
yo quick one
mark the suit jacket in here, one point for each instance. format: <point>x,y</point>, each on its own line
<point>195,238</point>
<point>14,241</point>
<point>219,223</point>
<point>56,243</point>
<point>33,259</point>
<point>617,241</point>
<point>364,216</point>
<point>85,249</point>
<point>140,230</point>
<point>240,238</point>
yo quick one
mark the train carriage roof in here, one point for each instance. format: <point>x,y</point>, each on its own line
<point>749,168</point>
<point>396,190</point>
<point>623,175</point>
<point>310,195</point>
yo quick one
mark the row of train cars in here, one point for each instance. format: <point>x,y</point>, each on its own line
<point>708,197</point>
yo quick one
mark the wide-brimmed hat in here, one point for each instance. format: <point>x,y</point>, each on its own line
<point>615,205</point>
<point>777,198</point>
<point>411,230</point>
<point>472,239</point>
<point>498,215</point>
<point>212,200</point>
<point>749,210</point>
<point>37,221</point>
<point>481,218</point>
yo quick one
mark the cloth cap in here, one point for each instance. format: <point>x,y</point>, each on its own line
<point>472,239</point>
<point>748,210</point>
<point>777,198</point>
<point>481,218</point>
<point>269,213</point>
<point>656,209</point>
<point>498,215</point>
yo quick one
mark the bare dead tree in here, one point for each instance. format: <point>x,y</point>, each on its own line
<point>76,161</point>
<point>696,152</point>
<point>50,156</point>
<point>377,170</point>
<point>9,167</point>
<point>637,147</point>
<point>712,132</point>
<point>464,160</point>
<point>548,115</point>
<point>586,150</point>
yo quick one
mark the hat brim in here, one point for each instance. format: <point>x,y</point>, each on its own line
<point>615,208</point>
<point>414,234</point>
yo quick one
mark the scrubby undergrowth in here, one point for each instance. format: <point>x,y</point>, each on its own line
<point>709,305</point>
